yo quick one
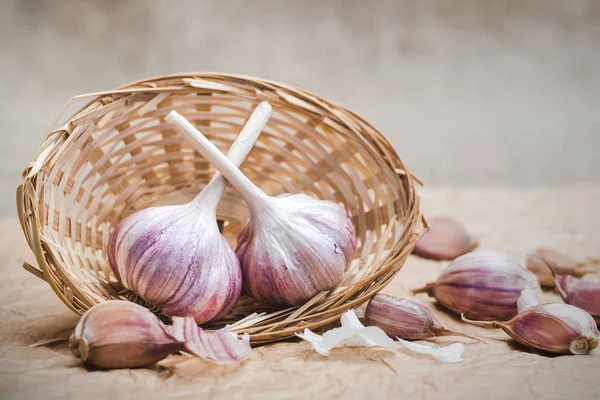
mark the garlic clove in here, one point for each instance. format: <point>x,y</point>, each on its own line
<point>556,328</point>
<point>405,319</point>
<point>580,293</point>
<point>174,257</point>
<point>541,260</point>
<point>483,285</point>
<point>294,246</point>
<point>446,239</point>
<point>120,334</point>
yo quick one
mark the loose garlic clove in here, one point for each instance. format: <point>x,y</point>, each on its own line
<point>483,285</point>
<point>175,257</point>
<point>556,328</point>
<point>121,334</point>
<point>542,260</point>
<point>446,239</point>
<point>294,246</point>
<point>405,319</point>
<point>580,293</point>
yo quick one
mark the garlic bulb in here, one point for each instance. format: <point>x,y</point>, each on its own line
<point>294,246</point>
<point>580,293</point>
<point>446,239</point>
<point>121,334</point>
<point>557,328</point>
<point>405,319</point>
<point>484,285</point>
<point>175,257</point>
<point>542,260</point>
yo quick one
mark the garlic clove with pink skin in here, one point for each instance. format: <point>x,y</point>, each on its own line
<point>405,319</point>
<point>541,260</point>
<point>446,239</point>
<point>175,257</point>
<point>483,285</point>
<point>580,293</point>
<point>121,334</point>
<point>294,246</point>
<point>556,328</point>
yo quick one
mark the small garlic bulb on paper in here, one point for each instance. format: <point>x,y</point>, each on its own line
<point>556,328</point>
<point>484,285</point>
<point>174,257</point>
<point>121,334</point>
<point>294,246</point>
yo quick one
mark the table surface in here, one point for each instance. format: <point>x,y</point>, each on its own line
<point>512,220</point>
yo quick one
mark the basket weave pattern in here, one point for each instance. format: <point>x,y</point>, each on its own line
<point>117,155</point>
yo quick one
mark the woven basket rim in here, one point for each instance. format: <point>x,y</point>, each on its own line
<point>31,228</point>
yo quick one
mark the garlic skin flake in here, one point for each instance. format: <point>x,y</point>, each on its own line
<point>556,328</point>
<point>451,353</point>
<point>483,285</point>
<point>175,257</point>
<point>121,334</point>
<point>294,245</point>
<point>405,319</point>
<point>580,293</point>
<point>446,239</point>
<point>351,334</point>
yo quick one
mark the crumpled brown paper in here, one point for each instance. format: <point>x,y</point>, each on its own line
<point>511,220</point>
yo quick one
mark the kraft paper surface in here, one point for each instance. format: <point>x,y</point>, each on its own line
<point>508,219</point>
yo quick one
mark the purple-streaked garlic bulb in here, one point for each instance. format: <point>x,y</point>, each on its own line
<point>121,334</point>
<point>580,293</point>
<point>542,260</point>
<point>175,257</point>
<point>557,328</point>
<point>446,239</point>
<point>484,285</point>
<point>405,319</point>
<point>294,246</point>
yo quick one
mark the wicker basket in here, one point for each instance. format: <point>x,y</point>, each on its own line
<point>117,155</point>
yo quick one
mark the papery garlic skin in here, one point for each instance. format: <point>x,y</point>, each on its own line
<point>305,249</point>
<point>174,257</point>
<point>580,293</point>
<point>294,246</point>
<point>120,334</point>
<point>446,239</point>
<point>483,285</point>
<point>557,328</point>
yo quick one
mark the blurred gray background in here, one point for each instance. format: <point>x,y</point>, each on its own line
<point>469,92</point>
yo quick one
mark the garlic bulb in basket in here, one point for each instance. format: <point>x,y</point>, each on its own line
<point>175,257</point>
<point>294,246</point>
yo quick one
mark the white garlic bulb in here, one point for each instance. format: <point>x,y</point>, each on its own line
<point>294,245</point>
<point>174,257</point>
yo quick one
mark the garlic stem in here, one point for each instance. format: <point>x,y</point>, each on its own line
<point>209,197</point>
<point>448,332</point>
<point>482,324</point>
<point>251,192</point>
